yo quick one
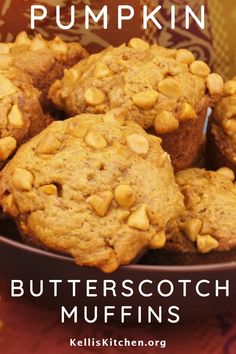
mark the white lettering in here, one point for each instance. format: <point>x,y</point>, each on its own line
<point>65,313</point>
<point>200,22</point>
<point>125,313</point>
<point>204,281</point>
<point>40,291</point>
<point>72,18</point>
<point>175,315</point>
<point>126,287</point>
<point>109,285</point>
<point>147,17</point>
<point>90,287</point>
<point>17,288</point>
<point>35,9</point>
<point>140,288</point>
<point>122,17</point>
<point>159,285</point>
<point>225,288</point>
<point>103,13</point>
<point>74,283</point>
<point>108,313</point>
<point>55,286</point>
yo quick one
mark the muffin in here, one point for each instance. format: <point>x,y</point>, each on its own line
<point>166,91</point>
<point>21,113</point>
<point>206,231</point>
<point>221,143</point>
<point>43,60</point>
<point>92,187</point>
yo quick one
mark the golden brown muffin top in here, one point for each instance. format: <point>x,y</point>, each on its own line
<point>152,85</point>
<point>209,221</point>
<point>92,187</point>
<point>43,60</point>
<point>26,49</point>
<point>224,115</point>
<point>21,114</point>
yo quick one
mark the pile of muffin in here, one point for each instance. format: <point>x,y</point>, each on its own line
<point>96,152</point>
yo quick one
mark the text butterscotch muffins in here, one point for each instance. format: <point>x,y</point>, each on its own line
<point>43,60</point>
<point>99,189</point>
<point>164,90</point>
<point>221,143</point>
<point>21,116</point>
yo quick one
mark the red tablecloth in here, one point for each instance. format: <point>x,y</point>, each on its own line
<point>29,328</point>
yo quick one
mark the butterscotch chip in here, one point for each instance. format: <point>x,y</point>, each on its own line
<point>192,228</point>
<point>139,219</point>
<point>215,84</point>
<point>230,87</point>
<point>159,240</point>
<point>102,207</point>
<point>125,196</point>
<point>70,76</point>
<point>111,265</point>
<point>138,144</point>
<point>58,45</point>
<point>165,122</point>
<point>137,43</point>
<point>48,145</point>
<point>227,172</point>
<point>200,68</point>
<point>77,129</point>
<point>145,99</point>
<point>15,117</point>
<point>38,43</point>
<point>230,126</point>
<point>6,87</point>
<point>185,112</point>
<point>23,39</point>
<point>170,87</point>
<point>4,48</point>
<point>114,117</point>
<point>101,202</point>
<point>95,140</point>
<point>5,61</point>
<point>22,179</point>
<point>184,56</point>
<point>7,146</point>
<point>206,243</point>
<point>49,189</point>
<point>101,70</point>
<point>94,96</point>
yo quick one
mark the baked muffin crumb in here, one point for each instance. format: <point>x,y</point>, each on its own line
<point>21,113</point>
<point>209,221</point>
<point>44,60</point>
<point>100,191</point>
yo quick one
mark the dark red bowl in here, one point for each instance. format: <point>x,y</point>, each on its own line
<point>19,261</point>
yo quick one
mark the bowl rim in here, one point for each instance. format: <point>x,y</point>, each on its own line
<point>134,267</point>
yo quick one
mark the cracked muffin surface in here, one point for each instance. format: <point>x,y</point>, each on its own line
<point>165,90</point>
<point>96,188</point>
<point>21,116</point>
<point>44,60</point>
<point>155,86</point>
<point>209,221</point>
